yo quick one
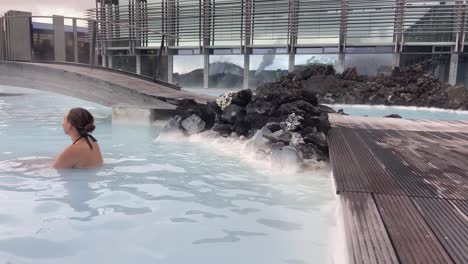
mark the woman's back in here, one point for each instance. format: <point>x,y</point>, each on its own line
<point>87,157</point>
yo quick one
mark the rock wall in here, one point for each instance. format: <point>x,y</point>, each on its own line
<point>404,86</point>
<point>280,120</point>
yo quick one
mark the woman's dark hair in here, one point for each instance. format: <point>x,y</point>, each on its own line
<point>82,120</point>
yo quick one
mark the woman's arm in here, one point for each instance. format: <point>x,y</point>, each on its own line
<point>67,159</point>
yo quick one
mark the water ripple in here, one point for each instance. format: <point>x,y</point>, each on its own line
<point>232,236</point>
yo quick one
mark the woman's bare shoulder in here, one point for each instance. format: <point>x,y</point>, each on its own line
<point>68,158</point>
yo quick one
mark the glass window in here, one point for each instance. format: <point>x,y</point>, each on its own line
<point>370,64</point>
<point>226,71</point>
<point>124,63</point>
<point>147,66</point>
<point>436,64</point>
<point>462,74</point>
<point>303,60</point>
<point>267,68</point>
<point>188,70</point>
<point>42,39</point>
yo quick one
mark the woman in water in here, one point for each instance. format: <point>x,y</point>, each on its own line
<point>78,123</point>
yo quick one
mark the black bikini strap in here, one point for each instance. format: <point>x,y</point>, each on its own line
<point>87,140</point>
<point>93,138</point>
<point>77,140</point>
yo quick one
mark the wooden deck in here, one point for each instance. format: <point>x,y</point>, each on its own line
<point>403,185</point>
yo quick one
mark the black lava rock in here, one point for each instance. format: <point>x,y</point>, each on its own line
<point>393,116</point>
<point>242,98</point>
<point>273,126</point>
<point>231,112</point>
<point>223,129</point>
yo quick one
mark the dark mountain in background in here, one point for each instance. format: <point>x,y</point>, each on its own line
<point>227,75</point>
<point>221,75</point>
<point>225,68</point>
<point>193,79</point>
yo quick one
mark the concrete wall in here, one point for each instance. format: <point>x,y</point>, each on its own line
<point>123,115</point>
<point>18,35</point>
<point>2,39</point>
<point>59,38</point>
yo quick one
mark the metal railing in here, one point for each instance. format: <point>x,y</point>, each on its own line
<point>256,23</point>
<point>27,37</point>
<point>55,39</point>
<point>247,27</point>
<point>244,23</point>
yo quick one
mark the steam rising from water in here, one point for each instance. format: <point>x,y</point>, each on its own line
<point>239,148</point>
<point>267,60</point>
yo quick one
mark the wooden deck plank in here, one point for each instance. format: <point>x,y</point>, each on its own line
<point>449,222</point>
<point>403,168</point>
<point>369,242</point>
<point>380,181</point>
<point>432,168</point>
<point>415,174</point>
<point>347,172</point>
<point>408,179</point>
<point>412,238</point>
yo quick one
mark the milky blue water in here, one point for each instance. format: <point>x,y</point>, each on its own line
<point>405,112</point>
<point>152,202</point>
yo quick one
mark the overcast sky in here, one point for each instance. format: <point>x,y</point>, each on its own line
<point>71,8</point>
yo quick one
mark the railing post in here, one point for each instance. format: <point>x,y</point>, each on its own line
<point>138,63</point>
<point>398,31</point>
<point>75,41</point>
<point>101,29</point>
<point>206,68</point>
<point>2,39</point>
<point>246,68</point>
<point>170,67</point>
<point>92,45</point>
<point>453,68</point>
<point>207,10</point>
<point>59,38</point>
<point>247,30</point>
<point>343,36</point>
<point>459,24</point>
<point>18,35</point>
<point>463,29</point>
<point>157,63</point>
<point>293,28</point>
<point>138,23</point>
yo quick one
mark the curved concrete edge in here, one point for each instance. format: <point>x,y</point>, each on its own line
<point>122,115</point>
<point>76,85</point>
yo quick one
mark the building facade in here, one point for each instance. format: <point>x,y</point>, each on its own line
<point>242,43</point>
